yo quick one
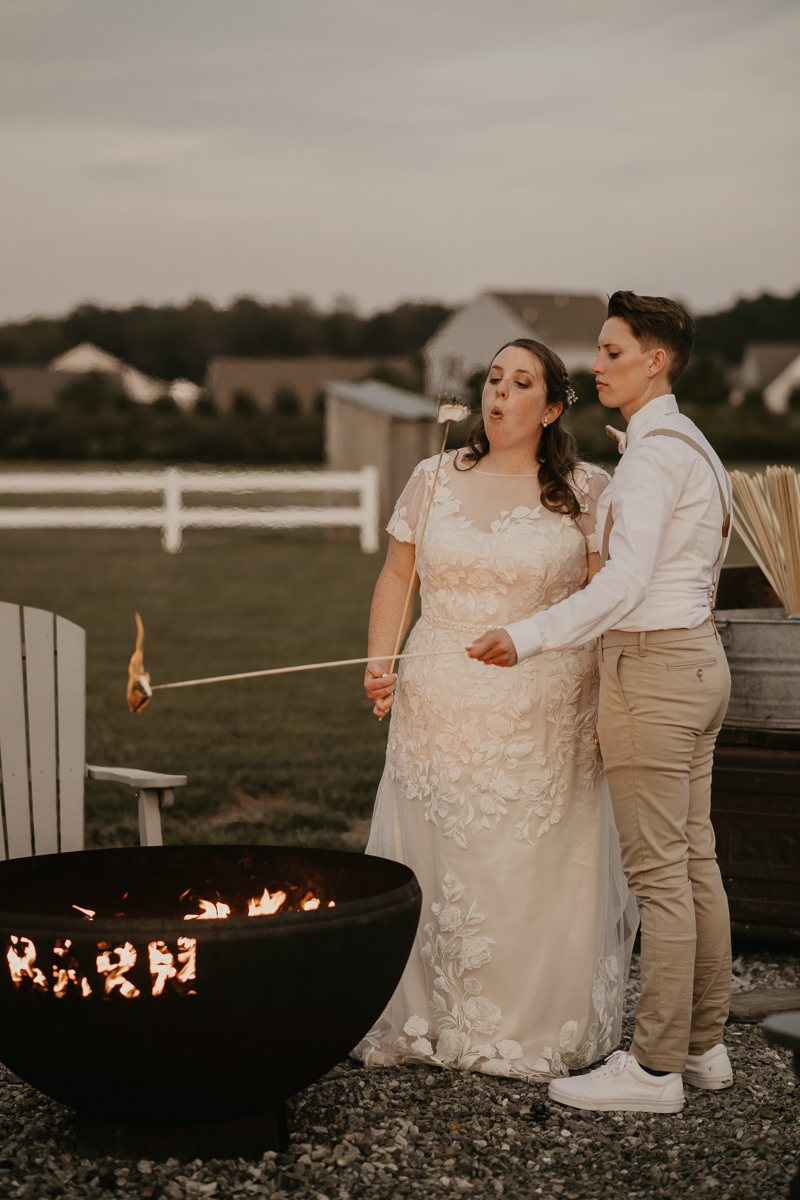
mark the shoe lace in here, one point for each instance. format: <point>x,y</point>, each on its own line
<point>614,1064</point>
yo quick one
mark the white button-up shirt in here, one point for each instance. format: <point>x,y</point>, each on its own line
<point>664,543</point>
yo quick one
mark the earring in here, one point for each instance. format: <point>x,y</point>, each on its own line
<point>544,422</point>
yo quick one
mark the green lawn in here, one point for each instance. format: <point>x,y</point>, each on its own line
<point>293,759</point>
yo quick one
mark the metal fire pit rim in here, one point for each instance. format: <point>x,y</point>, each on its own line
<point>754,616</point>
<point>235,927</point>
<point>762,726</point>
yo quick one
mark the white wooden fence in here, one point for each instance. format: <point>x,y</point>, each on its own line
<point>172,516</point>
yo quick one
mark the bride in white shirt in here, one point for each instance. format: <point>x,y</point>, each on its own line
<point>493,791</point>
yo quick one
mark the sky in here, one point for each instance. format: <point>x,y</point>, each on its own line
<point>155,150</point>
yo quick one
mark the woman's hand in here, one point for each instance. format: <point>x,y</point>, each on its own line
<point>494,648</point>
<point>379,685</point>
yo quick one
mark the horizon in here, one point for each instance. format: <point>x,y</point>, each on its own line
<point>336,304</point>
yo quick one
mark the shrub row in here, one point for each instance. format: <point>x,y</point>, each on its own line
<point>161,435</point>
<point>746,434</point>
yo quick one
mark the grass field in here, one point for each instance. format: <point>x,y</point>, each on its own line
<point>293,759</point>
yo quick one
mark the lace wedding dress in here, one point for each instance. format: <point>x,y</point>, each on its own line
<point>493,794</point>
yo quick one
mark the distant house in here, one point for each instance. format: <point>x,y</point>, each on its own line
<point>82,359</point>
<point>39,387</point>
<point>373,424</point>
<point>263,377</point>
<point>772,368</point>
<point>566,322</point>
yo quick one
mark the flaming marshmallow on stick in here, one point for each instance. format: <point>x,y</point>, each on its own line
<point>139,691</point>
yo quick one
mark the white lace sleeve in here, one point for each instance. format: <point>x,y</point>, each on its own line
<point>590,483</point>
<point>408,509</point>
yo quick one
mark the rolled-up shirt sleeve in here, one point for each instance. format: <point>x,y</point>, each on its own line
<point>644,496</point>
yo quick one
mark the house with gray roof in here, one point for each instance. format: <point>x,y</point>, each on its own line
<point>567,322</point>
<point>772,368</point>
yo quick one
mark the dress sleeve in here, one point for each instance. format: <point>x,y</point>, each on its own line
<point>590,482</point>
<point>408,509</point>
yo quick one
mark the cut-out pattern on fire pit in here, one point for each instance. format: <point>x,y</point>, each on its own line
<point>108,1004</point>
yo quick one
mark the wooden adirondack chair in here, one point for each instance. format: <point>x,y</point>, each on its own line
<point>43,767</point>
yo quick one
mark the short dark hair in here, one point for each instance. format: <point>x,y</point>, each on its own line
<point>657,323</point>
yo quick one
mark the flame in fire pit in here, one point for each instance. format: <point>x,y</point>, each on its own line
<point>20,963</point>
<point>114,964</point>
<point>266,905</point>
<point>89,913</point>
<point>162,964</point>
<point>115,971</point>
<point>263,906</point>
<point>68,973</point>
<point>210,911</point>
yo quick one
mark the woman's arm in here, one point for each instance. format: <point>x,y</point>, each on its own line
<point>594,564</point>
<point>384,622</point>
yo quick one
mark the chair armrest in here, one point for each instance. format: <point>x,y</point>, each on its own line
<point>135,779</point>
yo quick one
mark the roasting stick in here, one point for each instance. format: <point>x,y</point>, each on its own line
<point>341,662</point>
<point>447,412</point>
<point>140,689</point>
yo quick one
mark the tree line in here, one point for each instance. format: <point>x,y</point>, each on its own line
<point>171,341</point>
<point>177,341</point>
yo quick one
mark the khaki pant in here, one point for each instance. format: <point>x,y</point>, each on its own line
<point>663,695</point>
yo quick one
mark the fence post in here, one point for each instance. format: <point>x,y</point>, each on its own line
<point>172,535</point>
<point>370,510</point>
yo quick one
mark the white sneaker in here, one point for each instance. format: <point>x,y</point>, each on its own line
<point>712,1070</point>
<point>620,1084</point>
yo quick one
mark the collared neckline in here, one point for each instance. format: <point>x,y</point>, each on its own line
<point>659,406</point>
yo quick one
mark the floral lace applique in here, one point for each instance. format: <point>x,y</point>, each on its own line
<point>572,736</point>
<point>461,1029</point>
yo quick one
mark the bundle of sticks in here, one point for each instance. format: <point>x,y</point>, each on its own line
<point>767,511</point>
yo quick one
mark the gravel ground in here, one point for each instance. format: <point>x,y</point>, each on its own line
<point>422,1132</point>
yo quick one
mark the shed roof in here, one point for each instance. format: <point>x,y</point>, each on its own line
<point>558,316</point>
<point>382,398</point>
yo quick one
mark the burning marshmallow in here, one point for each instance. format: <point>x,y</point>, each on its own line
<point>139,691</point>
<point>451,410</point>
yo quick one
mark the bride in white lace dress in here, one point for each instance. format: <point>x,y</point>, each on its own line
<point>493,790</point>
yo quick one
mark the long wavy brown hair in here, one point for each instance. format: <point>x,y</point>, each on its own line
<point>558,450</point>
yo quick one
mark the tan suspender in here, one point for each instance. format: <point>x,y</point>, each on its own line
<point>725,501</point>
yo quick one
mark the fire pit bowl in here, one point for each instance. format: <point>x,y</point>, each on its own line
<point>141,1016</point>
